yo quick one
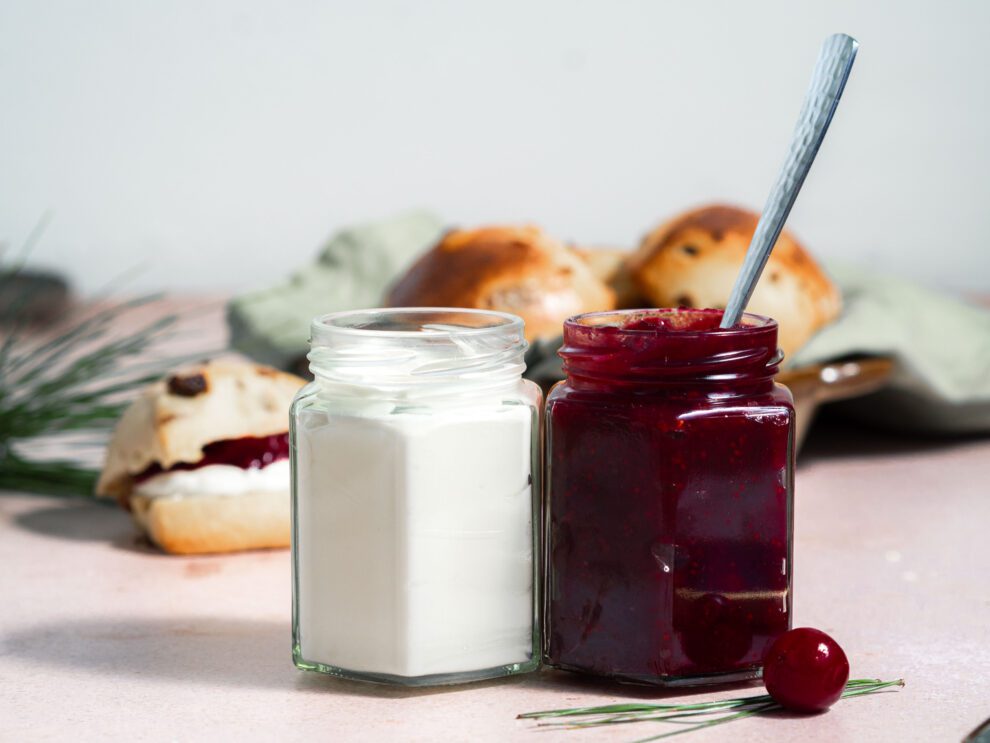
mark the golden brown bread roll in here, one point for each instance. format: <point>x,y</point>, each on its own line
<point>200,458</point>
<point>611,267</point>
<point>521,270</point>
<point>693,260</point>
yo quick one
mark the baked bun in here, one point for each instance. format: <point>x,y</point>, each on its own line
<point>521,270</point>
<point>200,458</point>
<point>692,261</point>
<point>611,267</point>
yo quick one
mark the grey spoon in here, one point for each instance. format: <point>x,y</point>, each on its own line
<point>827,83</point>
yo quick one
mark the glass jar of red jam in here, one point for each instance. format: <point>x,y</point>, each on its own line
<point>670,460</point>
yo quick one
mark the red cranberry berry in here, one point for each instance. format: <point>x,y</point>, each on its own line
<point>805,670</point>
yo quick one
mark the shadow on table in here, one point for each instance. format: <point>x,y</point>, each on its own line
<point>208,651</point>
<point>86,522</point>
<point>245,653</point>
<point>832,437</point>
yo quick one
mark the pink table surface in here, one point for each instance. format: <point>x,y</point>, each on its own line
<point>102,638</point>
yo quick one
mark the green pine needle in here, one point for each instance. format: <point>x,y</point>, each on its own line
<point>717,713</point>
<point>68,391</point>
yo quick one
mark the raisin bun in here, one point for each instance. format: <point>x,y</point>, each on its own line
<point>692,261</point>
<point>201,458</point>
<point>521,270</point>
<point>611,266</point>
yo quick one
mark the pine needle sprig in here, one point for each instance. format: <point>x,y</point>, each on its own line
<point>48,477</point>
<point>85,331</point>
<point>715,713</point>
<point>68,391</point>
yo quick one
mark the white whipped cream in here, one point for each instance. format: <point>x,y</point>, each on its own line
<point>415,539</point>
<point>217,479</point>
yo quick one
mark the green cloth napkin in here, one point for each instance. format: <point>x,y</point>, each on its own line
<point>352,272</point>
<point>941,346</point>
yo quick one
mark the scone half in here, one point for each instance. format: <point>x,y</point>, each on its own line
<point>201,459</point>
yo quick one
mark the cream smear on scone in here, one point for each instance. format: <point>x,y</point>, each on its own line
<point>217,479</point>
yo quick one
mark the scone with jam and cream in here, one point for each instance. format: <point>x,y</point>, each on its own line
<point>201,459</point>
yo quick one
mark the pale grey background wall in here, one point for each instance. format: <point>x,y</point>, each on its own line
<point>219,143</point>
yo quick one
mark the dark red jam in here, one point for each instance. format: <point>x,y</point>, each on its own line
<point>247,453</point>
<point>670,470</point>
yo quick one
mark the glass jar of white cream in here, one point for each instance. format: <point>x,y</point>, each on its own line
<point>415,484</point>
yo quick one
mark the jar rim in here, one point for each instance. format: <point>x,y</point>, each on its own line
<point>749,322</point>
<point>416,352</point>
<point>413,323</point>
<point>684,347</point>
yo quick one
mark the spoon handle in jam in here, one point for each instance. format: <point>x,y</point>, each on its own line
<point>831,72</point>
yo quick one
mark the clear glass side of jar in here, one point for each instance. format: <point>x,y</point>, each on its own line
<point>416,484</point>
<point>670,450</point>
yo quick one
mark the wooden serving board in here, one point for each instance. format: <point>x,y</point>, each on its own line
<point>841,380</point>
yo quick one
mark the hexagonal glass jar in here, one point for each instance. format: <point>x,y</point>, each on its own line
<point>670,460</point>
<point>415,498</point>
